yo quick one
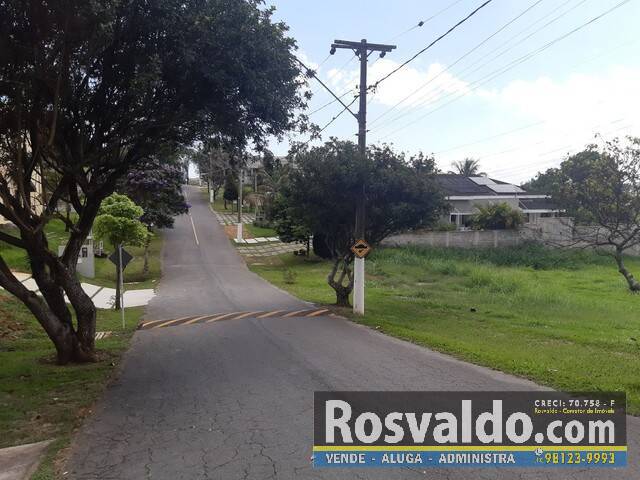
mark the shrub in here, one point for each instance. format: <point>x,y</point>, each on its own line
<point>497,216</point>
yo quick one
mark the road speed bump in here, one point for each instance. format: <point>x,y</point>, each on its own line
<point>214,317</point>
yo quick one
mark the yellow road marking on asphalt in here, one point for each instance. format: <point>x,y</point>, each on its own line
<point>220,317</point>
<point>169,322</point>
<point>317,312</point>
<point>270,314</point>
<point>293,314</point>
<point>153,322</point>
<point>195,320</point>
<point>244,315</point>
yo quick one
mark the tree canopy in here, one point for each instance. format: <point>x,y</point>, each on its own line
<point>156,185</point>
<point>90,89</point>
<point>325,182</point>
<point>600,188</point>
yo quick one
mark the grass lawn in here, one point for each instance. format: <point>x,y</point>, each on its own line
<point>564,319</point>
<point>40,400</point>
<point>134,277</point>
<point>16,258</point>
<point>218,204</point>
<point>257,232</point>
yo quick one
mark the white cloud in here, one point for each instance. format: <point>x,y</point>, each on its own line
<point>570,112</point>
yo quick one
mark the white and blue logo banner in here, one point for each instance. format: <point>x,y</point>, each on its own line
<point>469,429</point>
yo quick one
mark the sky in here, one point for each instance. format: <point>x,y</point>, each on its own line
<point>511,86</point>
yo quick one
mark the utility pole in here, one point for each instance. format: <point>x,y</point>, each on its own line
<point>362,49</point>
<point>239,231</point>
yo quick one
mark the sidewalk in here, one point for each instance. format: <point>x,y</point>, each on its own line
<point>103,297</point>
<point>21,461</point>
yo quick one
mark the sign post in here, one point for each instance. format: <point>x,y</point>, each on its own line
<point>121,258</point>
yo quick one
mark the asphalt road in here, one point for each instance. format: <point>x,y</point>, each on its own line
<point>233,399</point>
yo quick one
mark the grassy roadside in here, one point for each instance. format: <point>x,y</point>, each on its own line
<point>562,319</point>
<point>40,400</point>
<point>105,276</point>
<point>134,277</point>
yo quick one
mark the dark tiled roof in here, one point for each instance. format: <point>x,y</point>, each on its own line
<point>452,184</point>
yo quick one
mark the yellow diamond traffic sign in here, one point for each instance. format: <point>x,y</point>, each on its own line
<point>361,249</point>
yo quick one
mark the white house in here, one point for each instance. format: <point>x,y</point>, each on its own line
<point>465,194</point>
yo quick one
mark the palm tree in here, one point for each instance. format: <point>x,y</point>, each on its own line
<point>467,167</point>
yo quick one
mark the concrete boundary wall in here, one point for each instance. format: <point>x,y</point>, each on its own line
<point>552,232</point>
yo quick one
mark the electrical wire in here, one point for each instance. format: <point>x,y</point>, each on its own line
<point>389,110</point>
<point>426,20</point>
<point>425,99</point>
<point>406,62</point>
<point>496,73</point>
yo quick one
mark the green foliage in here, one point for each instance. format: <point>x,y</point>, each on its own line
<point>289,276</point>
<point>444,227</point>
<point>497,216</point>
<point>230,188</point>
<point>544,183</point>
<point>156,185</point>
<point>602,187</point>
<point>119,222</point>
<point>530,255</point>
<point>326,182</point>
<point>289,229</point>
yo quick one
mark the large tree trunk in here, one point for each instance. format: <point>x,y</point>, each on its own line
<point>342,290</point>
<point>634,285</point>
<point>51,311</point>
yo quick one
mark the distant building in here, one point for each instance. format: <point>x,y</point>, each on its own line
<point>465,194</point>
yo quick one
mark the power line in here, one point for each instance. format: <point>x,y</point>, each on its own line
<point>402,65</point>
<point>432,94</point>
<point>313,74</point>
<point>338,115</point>
<point>331,102</point>
<point>389,110</point>
<point>517,169</point>
<point>426,20</point>
<point>523,127</point>
<point>496,73</point>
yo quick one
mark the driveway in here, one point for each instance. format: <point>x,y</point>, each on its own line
<point>234,399</point>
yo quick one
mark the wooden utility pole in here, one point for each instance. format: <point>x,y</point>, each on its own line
<point>362,49</point>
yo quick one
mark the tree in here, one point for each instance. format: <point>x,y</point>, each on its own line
<point>230,192</point>
<point>467,167</point>
<point>325,182</point>
<point>90,89</point>
<point>289,230</point>
<point>213,162</point>
<point>497,216</point>
<point>543,183</point>
<point>118,222</point>
<point>600,188</point>
<point>156,186</point>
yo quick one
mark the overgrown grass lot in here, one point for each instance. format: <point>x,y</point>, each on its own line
<point>40,400</point>
<point>17,260</point>
<point>562,318</point>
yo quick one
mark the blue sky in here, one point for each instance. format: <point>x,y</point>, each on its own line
<point>524,120</point>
